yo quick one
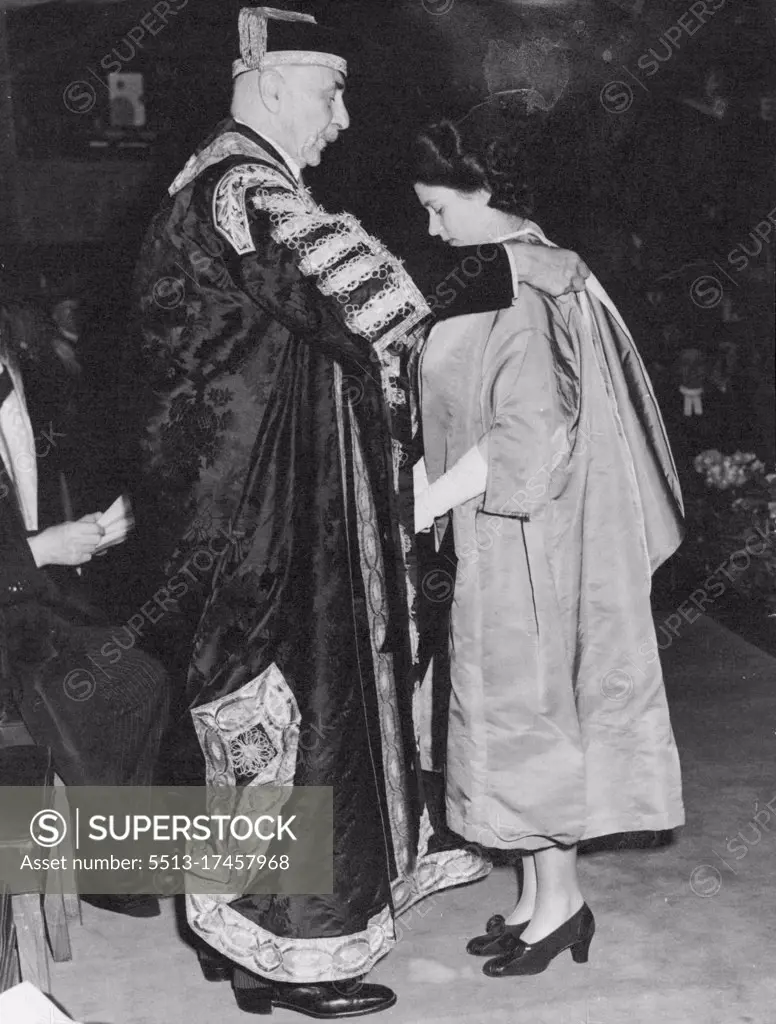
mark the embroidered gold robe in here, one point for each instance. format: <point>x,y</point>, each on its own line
<point>274,334</point>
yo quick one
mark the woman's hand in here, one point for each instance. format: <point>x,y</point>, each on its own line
<point>466,480</point>
<point>554,271</point>
<point>67,543</point>
<point>424,517</point>
<point>424,514</point>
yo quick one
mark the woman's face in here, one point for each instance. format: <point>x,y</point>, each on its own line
<point>458,218</point>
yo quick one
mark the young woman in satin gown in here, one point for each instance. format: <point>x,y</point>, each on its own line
<point>546,456</point>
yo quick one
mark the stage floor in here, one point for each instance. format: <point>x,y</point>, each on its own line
<point>685,933</point>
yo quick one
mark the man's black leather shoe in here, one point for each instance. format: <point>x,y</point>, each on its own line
<point>129,904</point>
<point>214,965</point>
<point>324,1001</point>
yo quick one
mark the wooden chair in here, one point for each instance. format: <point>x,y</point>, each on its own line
<point>9,961</point>
<point>37,917</point>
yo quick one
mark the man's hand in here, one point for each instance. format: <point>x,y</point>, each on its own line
<point>67,543</point>
<point>554,271</point>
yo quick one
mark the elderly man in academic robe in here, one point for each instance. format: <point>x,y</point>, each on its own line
<point>277,339</point>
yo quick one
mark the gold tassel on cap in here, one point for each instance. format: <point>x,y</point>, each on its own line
<point>254,56</point>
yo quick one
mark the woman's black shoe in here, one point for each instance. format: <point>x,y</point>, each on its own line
<point>575,934</point>
<point>324,1001</point>
<point>499,937</point>
<point>215,966</point>
<point>128,904</point>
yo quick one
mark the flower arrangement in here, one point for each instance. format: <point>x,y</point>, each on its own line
<point>727,471</point>
<point>731,524</point>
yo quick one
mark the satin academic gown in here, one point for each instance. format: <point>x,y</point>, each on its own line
<point>558,724</point>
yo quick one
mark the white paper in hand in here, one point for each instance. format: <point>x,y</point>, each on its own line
<point>121,508</point>
<point>117,521</point>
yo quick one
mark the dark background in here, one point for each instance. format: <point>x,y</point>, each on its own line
<point>651,169</point>
<point>654,192</point>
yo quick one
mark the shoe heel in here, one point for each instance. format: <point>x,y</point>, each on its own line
<point>580,950</point>
<point>249,1001</point>
<point>262,1006</point>
<point>257,999</point>
<point>214,967</point>
<point>214,974</point>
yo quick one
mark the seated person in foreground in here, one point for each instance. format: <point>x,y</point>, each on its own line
<point>102,716</point>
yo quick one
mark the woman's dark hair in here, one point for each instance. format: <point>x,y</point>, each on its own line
<point>489,149</point>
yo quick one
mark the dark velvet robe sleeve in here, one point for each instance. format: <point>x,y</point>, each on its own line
<point>272,277</point>
<point>220,353</point>
<point>475,279</point>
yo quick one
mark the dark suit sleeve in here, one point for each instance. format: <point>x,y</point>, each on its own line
<point>20,579</point>
<point>470,280</point>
